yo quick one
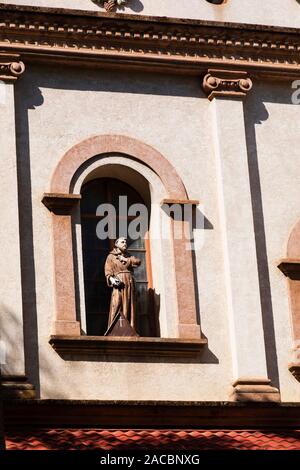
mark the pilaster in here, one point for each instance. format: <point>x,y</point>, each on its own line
<point>61,206</point>
<point>226,91</point>
<point>14,381</point>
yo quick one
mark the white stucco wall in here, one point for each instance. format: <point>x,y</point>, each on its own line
<point>271,12</point>
<point>57,110</point>
<point>170,114</point>
<point>277,128</point>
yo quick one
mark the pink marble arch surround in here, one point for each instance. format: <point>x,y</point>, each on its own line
<point>290,266</point>
<point>61,202</point>
<point>82,152</point>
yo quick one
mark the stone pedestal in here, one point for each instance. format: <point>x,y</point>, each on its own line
<point>17,386</point>
<point>254,389</point>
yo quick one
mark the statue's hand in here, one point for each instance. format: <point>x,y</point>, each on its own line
<point>123,259</point>
<point>116,282</point>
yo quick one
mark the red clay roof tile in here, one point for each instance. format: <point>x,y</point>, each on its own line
<point>130,439</point>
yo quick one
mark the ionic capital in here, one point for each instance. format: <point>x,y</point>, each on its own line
<point>226,83</point>
<point>11,68</point>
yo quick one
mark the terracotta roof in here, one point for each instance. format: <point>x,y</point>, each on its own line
<point>89,439</point>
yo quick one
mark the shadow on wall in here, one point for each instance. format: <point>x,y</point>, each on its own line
<point>113,81</point>
<point>9,326</point>
<point>10,349</point>
<point>29,97</point>
<point>217,2</point>
<point>134,5</point>
<point>32,371</point>
<point>199,222</point>
<point>36,363</point>
<point>205,356</point>
<point>30,100</point>
<point>255,115</point>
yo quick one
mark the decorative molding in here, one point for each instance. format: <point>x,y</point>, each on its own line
<point>290,267</point>
<point>11,68</point>
<point>61,206</point>
<point>16,387</point>
<point>134,346</point>
<point>294,369</point>
<point>294,366</point>
<point>62,178</point>
<point>182,202</point>
<point>110,5</point>
<point>60,203</point>
<point>47,414</point>
<point>254,389</point>
<point>80,154</point>
<point>223,83</point>
<point>149,43</point>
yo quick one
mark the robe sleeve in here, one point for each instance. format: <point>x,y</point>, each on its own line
<point>108,269</point>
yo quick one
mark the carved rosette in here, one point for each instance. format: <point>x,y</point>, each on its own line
<point>11,68</point>
<point>226,83</point>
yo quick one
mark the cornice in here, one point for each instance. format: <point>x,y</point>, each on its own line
<point>290,267</point>
<point>11,68</point>
<point>154,43</point>
<point>22,414</point>
<point>60,203</point>
<point>133,346</point>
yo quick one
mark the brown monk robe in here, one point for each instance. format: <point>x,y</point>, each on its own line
<point>123,297</point>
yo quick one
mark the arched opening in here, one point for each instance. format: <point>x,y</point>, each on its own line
<point>95,247</point>
<point>143,167</point>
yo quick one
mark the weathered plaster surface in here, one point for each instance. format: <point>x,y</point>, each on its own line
<point>11,329</point>
<point>57,110</point>
<point>170,114</point>
<point>274,151</point>
<point>243,299</point>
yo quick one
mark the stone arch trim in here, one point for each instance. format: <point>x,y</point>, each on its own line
<point>290,267</point>
<point>105,144</point>
<point>61,202</point>
<point>293,246</point>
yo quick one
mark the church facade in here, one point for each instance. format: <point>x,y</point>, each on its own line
<point>187,112</point>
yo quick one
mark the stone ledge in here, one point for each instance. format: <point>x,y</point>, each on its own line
<point>20,414</point>
<point>294,369</point>
<point>290,267</point>
<point>129,347</point>
<point>60,202</point>
<point>181,202</point>
<point>16,387</point>
<point>255,389</point>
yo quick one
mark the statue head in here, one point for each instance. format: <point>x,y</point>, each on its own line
<point>121,243</point>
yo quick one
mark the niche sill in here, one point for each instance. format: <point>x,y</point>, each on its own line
<point>127,346</point>
<point>294,369</point>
